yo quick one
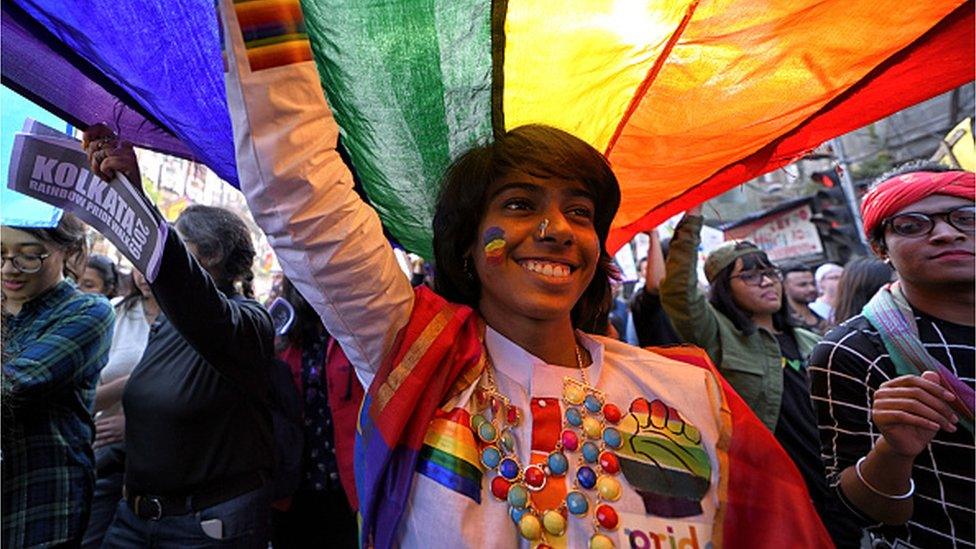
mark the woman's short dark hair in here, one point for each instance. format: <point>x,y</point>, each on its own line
<point>219,233</point>
<point>862,278</point>
<point>877,233</point>
<point>70,236</point>
<point>720,294</point>
<point>107,271</point>
<point>540,151</point>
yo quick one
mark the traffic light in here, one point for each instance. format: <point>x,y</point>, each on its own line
<point>829,179</point>
<point>834,222</point>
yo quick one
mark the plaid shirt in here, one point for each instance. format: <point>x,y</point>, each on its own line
<point>846,368</point>
<point>53,352</point>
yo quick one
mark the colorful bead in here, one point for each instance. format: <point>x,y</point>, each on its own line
<point>530,527</point>
<point>611,413</point>
<point>608,487</point>
<point>599,541</point>
<point>558,464</point>
<point>570,440</point>
<point>487,432</point>
<point>609,463</point>
<point>495,406</point>
<point>490,457</point>
<point>518,496</point>
<point>500,487</point>
<point>591,452</point>
<point>586,477</point>
<point>507,441</point>
<point>606,516</point>
<point>513,416</point>
<point>517,514</point>
<point>573,394</point>
<point>592,403</point>
<point>591,427</point>
<point>576,503</point>
<point>508,468</point>
<point>574,417</point>
<point>476,421</point>
<point>535,477</point>
<point>554,522</point>
<point>612,437</point>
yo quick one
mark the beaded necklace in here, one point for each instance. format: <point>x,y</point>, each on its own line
<point>585,434</point>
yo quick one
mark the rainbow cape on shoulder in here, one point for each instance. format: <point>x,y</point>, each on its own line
<point>438,354</point>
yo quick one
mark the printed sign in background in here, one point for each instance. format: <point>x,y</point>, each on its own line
<point>787,235</point>
<point>55,170</point>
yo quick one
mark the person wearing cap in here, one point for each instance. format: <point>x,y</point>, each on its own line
<point>745,328</point>
<point>826,276</point>
<point>893,385</point>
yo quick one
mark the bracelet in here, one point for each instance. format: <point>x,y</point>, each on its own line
<point>860,477</point>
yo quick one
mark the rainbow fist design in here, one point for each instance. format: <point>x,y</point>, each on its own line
<point>664,460</point>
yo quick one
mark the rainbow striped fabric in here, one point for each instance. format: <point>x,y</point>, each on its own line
<point>686,98</point>
<point>274,32</point>
<point>449,455</point>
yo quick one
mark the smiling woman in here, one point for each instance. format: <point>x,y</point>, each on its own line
<point>56,341</point>
<point>492,418</point>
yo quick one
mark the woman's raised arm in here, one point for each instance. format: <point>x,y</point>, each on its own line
<point>329,243</point>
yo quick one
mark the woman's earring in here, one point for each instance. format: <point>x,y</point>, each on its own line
<point>542,228</point>
<point>468,268</point>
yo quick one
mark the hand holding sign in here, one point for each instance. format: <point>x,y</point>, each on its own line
<point>51,167</point>
<point>108,156</point>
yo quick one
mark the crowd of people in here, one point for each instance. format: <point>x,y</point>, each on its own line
<point>496,403</point>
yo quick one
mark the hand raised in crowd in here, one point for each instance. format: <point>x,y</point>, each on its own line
<point>108,155</point>
<point>109,430</point>
<point>909,411</point>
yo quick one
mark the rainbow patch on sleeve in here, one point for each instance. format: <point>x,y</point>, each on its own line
<point>274,32</point>
<point>449,455</point>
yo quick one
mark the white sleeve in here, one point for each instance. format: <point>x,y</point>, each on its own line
<point>328,241</point>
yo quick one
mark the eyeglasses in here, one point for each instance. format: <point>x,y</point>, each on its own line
<point>755,277</point>
<point>915,224</point>
<point>25,263</point>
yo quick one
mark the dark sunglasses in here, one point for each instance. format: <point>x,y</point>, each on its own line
<point>754,277</point>
<point>914,224</point>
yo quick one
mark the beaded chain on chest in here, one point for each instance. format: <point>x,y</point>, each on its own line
<point>587,434</point>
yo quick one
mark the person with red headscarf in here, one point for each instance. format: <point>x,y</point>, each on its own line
<point>894,384</point>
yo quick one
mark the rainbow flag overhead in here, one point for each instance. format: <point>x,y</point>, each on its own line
<point>687,98</point>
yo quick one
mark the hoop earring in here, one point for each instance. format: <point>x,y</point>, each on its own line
<point>542,228</point>
<point>468,268</point>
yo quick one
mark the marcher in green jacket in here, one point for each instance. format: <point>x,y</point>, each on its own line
<point>745,328</point>
<point>748,356</point>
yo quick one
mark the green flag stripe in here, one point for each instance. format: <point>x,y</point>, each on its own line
<point>403,96</point>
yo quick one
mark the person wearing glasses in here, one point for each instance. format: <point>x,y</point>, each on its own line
<point>744,326</point>
<point>893,385</point>
<point>55,342</point>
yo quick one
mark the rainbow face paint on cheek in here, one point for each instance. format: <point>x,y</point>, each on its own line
<point>494,240</point>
